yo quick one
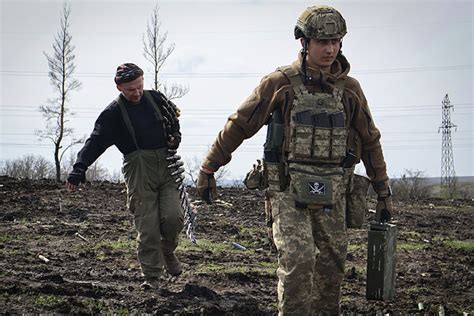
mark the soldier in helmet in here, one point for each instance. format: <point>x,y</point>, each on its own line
<point>319,127</point>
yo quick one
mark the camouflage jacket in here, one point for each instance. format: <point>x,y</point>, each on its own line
<point>254,112</point>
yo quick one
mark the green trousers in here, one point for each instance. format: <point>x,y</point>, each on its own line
<point>153,198</point>
<point>312,247</point>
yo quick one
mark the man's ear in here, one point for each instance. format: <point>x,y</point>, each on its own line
<point>119,88</point>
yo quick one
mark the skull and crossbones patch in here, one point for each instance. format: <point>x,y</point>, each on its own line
<point>316,188</point>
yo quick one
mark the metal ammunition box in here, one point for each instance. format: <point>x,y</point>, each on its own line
<point>381,258</point>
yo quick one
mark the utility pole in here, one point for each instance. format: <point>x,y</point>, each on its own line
<point>448,175</point>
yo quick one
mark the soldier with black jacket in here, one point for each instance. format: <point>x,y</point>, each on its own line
<point>144,126</point>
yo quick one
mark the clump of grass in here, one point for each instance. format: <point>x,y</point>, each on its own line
<point>460,244</point>
<point>261,268</point>
<point>94,305</point>
<point>119,244</point>
<point>411,234</point>
<point>209,245</point>
<point>7,238</point>
<point>415,290</point>
<point>410,246</point>
<point>51,301</point>
<point>356,247</point>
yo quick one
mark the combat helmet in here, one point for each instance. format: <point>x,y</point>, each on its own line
<point>320,22</point>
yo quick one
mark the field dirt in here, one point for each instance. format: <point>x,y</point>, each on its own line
<point>88,240</point>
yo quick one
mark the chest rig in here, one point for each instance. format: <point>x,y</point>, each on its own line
<point>317,129</point>
<point>315,145</point>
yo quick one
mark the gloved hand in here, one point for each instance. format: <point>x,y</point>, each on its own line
<point>384,209</point>
<point>206,186</point>
<point>174,141</point>
<point>77,175</point>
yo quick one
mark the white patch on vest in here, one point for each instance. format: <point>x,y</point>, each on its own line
<point>316,188</point>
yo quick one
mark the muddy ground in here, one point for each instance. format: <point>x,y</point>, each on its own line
<point>89,240</point>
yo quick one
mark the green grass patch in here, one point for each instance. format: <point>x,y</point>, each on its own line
<point>415,290</point>
<point>126,245</point>
<point>209,245</point>
<point>360,269</point>
<point>460,244</point>
<point>94,306</point>
<point>5,238</point>
<point>51,301</point>
<point>99,307</point>
<point>261,268</point>
<point>250,231</point>
<point>356,247</point>
<point>410,246</point>
<point>411,234</point>
<point>101,256</point>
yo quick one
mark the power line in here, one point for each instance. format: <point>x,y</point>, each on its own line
<point>190,109</point>
<point>253,147</point>
<point>211,116</point>
<point>234,74</point>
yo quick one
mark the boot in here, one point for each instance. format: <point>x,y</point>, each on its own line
<point>150,284</point>
<point>173,266</point>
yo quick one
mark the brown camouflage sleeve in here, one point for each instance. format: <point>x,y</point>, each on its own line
<point>252,114</point>
<point>371,149</point>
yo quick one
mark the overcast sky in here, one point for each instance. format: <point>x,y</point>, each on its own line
<point>406,54</point>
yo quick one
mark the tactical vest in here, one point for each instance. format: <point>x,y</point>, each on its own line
<point>317,129</point>
<point>315,146</point>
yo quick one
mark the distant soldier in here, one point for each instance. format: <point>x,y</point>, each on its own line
<point>320,126</point>
<point>143,125</point>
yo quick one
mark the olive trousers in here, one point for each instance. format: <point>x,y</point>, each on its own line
<point>153,198</point>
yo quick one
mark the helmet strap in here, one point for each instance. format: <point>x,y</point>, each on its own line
<point>304,53</point>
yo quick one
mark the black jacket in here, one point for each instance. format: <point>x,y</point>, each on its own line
<point>110,129</point>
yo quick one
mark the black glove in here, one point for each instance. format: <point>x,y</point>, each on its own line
<point>78,174</point>
<point>383,210</point>
<point>206,186</point>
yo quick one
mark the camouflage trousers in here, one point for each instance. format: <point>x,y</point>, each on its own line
<point>153,198</point>
<point>312,247</point>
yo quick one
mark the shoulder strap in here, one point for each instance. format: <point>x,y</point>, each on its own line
<point>126,119</point>
<point>338,90</point>
<point>294,76</point>
<point>147,95</point>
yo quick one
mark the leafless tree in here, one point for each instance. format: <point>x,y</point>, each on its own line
<point>156,52</point>
<point>97,172</point>
<point>61,68</point>
<point>27,167</point>
<point>411,185</point>
<point>192,167</point>
<point>116,176</point>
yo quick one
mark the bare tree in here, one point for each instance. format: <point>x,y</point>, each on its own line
<point>97,172</point>
<point>193,165</point>
<point>61,67</point>
<point>156,52</point>
<point>27,167</point>
<point>411,186</point>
